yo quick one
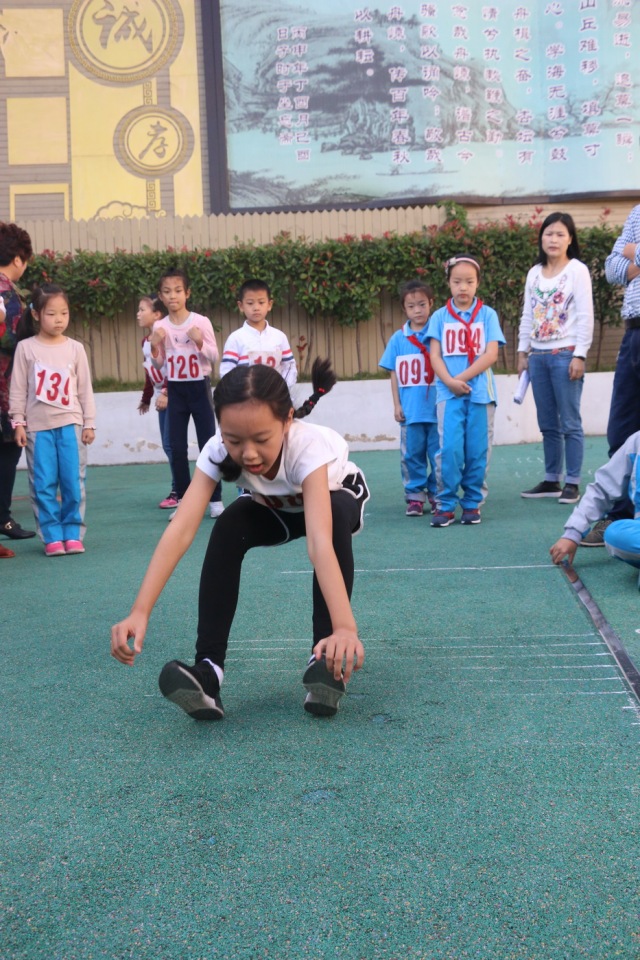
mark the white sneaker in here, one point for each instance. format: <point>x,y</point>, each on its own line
<point>215,509</point>
<point>173,512</point>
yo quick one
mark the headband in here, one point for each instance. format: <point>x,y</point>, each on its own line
<point>452,261</point>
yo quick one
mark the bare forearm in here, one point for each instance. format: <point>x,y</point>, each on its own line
<point>331,582</point>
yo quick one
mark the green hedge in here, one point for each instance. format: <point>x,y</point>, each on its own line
<point>342,279</point>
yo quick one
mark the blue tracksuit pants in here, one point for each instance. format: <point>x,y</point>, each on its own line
<point>622,541</point>
<point>418,449</point>
<point>465,432</point>
<point>57,459</point>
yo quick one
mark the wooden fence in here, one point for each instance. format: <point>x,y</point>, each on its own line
<point>218,232</point>
<point>114,344</point>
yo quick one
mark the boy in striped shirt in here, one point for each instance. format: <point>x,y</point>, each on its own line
<point>257,341</point>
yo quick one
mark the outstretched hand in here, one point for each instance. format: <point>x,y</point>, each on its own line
<point>343,652</point>
<point>132,628</point>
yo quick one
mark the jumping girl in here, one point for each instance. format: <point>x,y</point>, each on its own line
<point>53,414</point>
<point>301,483</point>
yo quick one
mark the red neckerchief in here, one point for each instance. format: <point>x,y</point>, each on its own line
<point>471,354</point>
<point>427,359</point>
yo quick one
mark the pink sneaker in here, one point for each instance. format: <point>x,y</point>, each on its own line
<point>55,549</point>
<point>170,502</point>
<point>73,546</point>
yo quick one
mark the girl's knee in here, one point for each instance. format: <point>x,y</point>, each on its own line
<point>622,541</point>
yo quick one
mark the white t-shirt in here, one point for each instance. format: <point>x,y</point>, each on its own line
<point>157,375</point>
<point>307,446</point>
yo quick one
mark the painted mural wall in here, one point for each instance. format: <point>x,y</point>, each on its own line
<point>171,108</point>
<point>100,109</point>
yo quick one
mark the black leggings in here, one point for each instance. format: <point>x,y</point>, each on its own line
<point>246,524</point>
<point>9,455</point>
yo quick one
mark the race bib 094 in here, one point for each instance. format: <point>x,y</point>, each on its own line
<point>454,339</point>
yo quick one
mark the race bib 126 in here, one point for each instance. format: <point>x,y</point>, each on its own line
<point>183,366</point>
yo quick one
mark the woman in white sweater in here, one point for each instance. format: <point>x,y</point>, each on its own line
<point>555,334</point>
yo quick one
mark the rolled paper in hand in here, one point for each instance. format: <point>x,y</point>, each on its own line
<point>523,386</point>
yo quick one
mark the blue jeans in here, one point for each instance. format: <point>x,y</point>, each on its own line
<point>558,407</point>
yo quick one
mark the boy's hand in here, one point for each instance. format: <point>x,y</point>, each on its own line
<point>459,387</point>
<point>133,628</point>
<point>195,334</point>
<point>398,413</point>
<point>343,651</point>
<point>563,548</point>
<point>20,436</point>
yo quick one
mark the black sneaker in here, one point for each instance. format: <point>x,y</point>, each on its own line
<point>14,531</point>
<point>195,690</point>
<point>570,493</point>
<point>548,488</point>
<point>325,692</point>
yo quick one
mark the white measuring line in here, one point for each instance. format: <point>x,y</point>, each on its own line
<point>606,631</point>
<point>482,569</point>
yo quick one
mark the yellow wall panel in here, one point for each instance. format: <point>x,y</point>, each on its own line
<point>34,43</point>
<point>185,97</point>
<point>37,130</point>
<point>100,184</point>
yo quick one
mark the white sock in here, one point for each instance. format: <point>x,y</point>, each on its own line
<point>219,671</point>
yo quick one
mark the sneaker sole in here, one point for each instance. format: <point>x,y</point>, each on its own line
<point>583,543</point>
<point>470,523</point>
<point>180,687</point>
<point>446,523</point>
<point>324,691</point>
<point>563,500</point>
<point>542,496</point>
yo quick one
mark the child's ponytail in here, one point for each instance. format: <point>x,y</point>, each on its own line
<point>323,379</point>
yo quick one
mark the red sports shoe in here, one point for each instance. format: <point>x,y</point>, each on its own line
<point>73,546</point>
<point>55,549</point>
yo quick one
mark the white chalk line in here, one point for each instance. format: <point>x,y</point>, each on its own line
<point>579,693</point>
<point>425,646</point>
<point>485,568</point>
